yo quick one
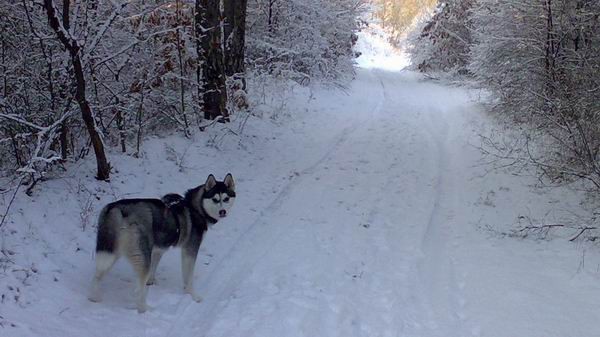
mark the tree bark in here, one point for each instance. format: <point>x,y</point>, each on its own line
<point>550,42</point>
<point>235,38</point>
<point>270,19</point>
<point>211,65</point>
<point>73,48</point>
<point>64,128</point>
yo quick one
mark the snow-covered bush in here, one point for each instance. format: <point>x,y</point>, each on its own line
<point>541,60</point>
<point>152,84</point>
<point>35,98</point>
<point>138,66</point>
<point>442,42</point>
<point>139,69</point>
<point>302,39</point>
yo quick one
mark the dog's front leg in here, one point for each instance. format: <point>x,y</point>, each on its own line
<point>188,262</point>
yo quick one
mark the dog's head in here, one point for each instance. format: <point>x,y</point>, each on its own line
<point>218,196</point>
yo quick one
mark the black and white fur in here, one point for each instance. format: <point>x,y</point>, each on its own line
<point>143,229</point>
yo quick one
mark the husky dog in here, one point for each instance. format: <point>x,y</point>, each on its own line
<point>143,229</point>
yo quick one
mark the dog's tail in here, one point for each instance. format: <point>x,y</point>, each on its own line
<point>109,222</point>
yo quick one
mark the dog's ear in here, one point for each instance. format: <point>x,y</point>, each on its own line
<point>228,181</point>
<point>210,182</point>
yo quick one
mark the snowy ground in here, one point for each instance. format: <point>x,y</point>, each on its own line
<point>363,213</point>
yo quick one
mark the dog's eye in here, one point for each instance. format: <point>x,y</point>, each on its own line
<point>215,200</point>
<point>226,199</point>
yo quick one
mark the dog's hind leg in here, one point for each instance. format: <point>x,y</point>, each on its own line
<point>139,254</point>
<point>104,261</point>
<point>143,273</point>
<point>157,253</point>
<point>106,255</point>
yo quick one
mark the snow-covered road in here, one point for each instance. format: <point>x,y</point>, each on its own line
<point>378,234</point>
<point>363,218</point>
<point>356,243</point>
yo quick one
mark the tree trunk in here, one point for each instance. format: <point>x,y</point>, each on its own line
<point>86,112</point>
<point>120,127</point>
<point>235,39</point>
<point>64,140</point>
<point>270,19</point>
<point>210,54</point>
<point>550,42</point>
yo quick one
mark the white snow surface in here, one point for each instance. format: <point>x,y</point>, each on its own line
<point>359,213</point>
<point>377,53</point>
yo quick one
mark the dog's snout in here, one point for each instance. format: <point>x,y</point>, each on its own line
<point>222,213</point>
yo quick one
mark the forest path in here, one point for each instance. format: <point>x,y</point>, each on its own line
<point>366,213</point>
<point>356,243</point>
<point>381,234</point>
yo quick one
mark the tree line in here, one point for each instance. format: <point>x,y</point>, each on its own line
<point>540,60</point>
<point>90,77</point>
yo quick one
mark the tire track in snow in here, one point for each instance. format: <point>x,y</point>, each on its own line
<point>438,283</point>
<point>406,99</point>
<point>253,244</point>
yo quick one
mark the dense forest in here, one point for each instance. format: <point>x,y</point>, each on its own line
<point>541,62</point>
<point>306,167</point>
<point>81,78</point>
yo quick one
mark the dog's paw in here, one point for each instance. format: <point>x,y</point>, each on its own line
<point>151,281</point>
<point>144,308</point>
<point>95,297</point>
<point>196,297</point>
